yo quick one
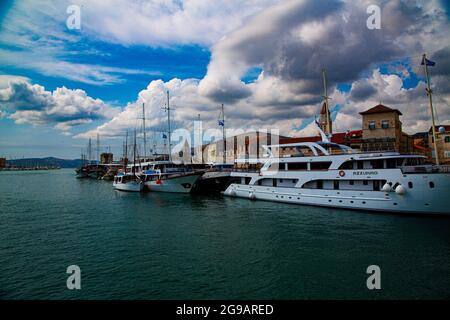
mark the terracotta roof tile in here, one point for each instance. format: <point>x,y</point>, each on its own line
<point>380,109</point>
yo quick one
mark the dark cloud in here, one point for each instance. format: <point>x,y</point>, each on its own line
<point>361,91</point>
<point>22,96</point>
<point>294,41</point>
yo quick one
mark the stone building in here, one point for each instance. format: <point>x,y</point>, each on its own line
<point>382,131</point>
<point>248,145</point>
<point>106,158</point>
<point>325,121</point>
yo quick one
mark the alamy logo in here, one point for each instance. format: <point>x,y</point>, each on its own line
<point>74,20</point>
<point>374,280</point>
<point>74,280</point>
<point>374,20</point>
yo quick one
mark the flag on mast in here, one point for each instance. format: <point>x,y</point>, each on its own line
<point>427,62</point>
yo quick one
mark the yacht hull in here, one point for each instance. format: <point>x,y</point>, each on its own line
<point>420,199</point>
<point>129,186</point>
<point>175,184</point>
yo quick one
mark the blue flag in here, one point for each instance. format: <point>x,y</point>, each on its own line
<point>428,62</point>
<point>221,123</point>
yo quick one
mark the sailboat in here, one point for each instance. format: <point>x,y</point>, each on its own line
<point>167,176</point>
<point>218,176</point>
<point>129,181</point>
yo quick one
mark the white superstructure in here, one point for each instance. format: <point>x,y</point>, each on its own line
<point>332,175</point>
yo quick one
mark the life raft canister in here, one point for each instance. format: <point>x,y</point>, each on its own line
<point>341,173</point>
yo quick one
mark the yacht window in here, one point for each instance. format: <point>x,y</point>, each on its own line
<point>376,185</point>
<point>297,166</point>
<point>319,184</point>
<point>247,180</point>
<point>320,165</point>
<point>347,165</point>
<point>391,163</point>
<point>365,182</point>
<point>360,164</point>
<point>274,181</point>
<point>377,164</point>
<point>410,185</point>
<point>336,184</point>
<point>352,182</point>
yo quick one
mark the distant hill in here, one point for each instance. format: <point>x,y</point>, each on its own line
<point>50,161</point>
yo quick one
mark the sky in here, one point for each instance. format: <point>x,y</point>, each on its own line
<point>263,59</point>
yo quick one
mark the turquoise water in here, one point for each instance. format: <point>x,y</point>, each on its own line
<point>167,246</point>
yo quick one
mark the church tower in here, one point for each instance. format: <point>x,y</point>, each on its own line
<point>325,121</point>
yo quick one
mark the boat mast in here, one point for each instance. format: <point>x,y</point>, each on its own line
<point>145,134</point>
<point>89,151</point>
<point>429,93</point>
<point>201,139</point>
<point>134,153</point>
<point>328,129</point>
<point>168,125</point>
<point>125,156</point>
<point>98,149</point>
<point>223,136</point>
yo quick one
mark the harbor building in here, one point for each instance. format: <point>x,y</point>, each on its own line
<point>382,131</point>
<point>248,145</point>
<point>2,162</point>
<point>106,158</point>
<point>442,143</point>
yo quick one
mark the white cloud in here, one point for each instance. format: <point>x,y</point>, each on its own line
<point>388,89</point>
<point>291,41</point>
<point>65,108</point>
<point>166,22</point>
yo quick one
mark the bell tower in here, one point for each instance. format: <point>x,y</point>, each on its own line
<point>325,121</point>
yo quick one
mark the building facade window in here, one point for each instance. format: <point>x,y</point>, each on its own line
<point>447,139</point>
<point>385,124</point>
<point>372,125</point>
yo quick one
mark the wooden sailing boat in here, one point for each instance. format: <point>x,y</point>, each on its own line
<point>129,181</point>
<point>167,176</point>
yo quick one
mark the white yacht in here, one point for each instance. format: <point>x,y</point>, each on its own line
<point>166,176</point>
<point>332,175</point>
